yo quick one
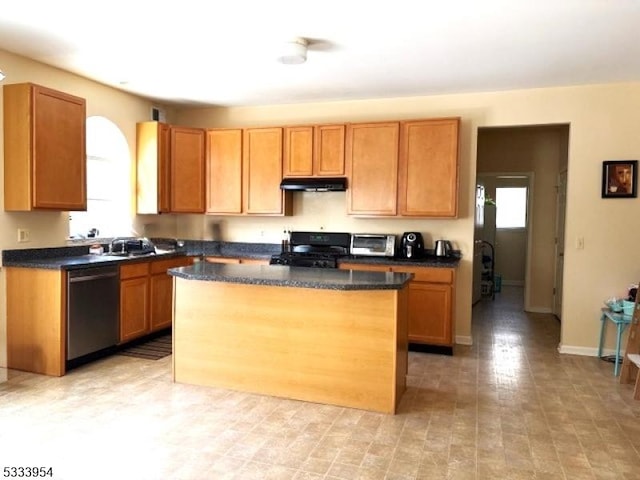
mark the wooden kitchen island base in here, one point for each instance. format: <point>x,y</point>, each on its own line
<point>340,347</point>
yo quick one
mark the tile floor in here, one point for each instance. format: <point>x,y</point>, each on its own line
<point>510,407</point>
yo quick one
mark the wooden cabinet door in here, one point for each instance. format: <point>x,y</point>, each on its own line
<point>44,149</point>
<point>365,267</point>
<point>429,168</point>
<point>262,172</point>
<point>187,170</point>
<point>224,171</point>
<point>246,261</point>
<point>60,159</point>
<point>372,166</point>
<point>164,168</point>
<point>430,313</point>
<point>298,152</point>
<point>153,168</point>
<point>161,291</point>
<point>227,260</point>
<point>161,301</point>
<point>254,261</point>
<point>134,308</point>
<point>329,144</point>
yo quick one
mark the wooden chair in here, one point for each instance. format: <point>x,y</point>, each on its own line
<point>631,363</point>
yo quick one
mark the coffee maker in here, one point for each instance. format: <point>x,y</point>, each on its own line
<point>412,245</point>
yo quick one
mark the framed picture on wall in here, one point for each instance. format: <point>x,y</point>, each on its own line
<point>619,179</point>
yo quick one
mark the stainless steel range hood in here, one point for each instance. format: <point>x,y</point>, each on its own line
<point>315,184</point>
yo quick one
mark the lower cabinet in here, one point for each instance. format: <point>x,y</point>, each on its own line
<point>146,297</point>
<point>134,301</point>
<point>246,261</point>
<point>431,294</point>
<point>36,320</point>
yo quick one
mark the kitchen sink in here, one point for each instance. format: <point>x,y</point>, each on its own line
<point>138,254</point>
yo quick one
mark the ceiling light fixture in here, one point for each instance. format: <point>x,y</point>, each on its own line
<point>2,75</point>
<point>294,52</point>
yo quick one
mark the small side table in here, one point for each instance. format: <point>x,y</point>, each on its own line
<point>621,321</point>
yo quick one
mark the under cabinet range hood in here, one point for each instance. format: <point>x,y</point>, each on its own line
<point>315,184</point>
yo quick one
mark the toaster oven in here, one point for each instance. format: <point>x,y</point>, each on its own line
<point>373,244</point>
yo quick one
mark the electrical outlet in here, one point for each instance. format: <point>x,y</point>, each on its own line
<point>23,235</point>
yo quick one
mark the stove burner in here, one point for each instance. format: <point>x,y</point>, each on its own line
<point>314,249</point>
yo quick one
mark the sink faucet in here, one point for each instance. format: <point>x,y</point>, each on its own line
<point>115,241</point>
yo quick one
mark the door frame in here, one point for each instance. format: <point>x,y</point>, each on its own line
<point>561,220</point>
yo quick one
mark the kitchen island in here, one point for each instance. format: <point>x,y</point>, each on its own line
<point>321,335</point>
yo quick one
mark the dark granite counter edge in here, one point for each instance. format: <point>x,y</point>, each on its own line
<point>282,276</point>
<point>320,285</point>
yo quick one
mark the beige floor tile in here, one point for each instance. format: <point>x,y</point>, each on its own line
<point>316,465</point>
<point>376,462</point>
<point>343,470</point>
<point>508,407</point>
<point>301,475</point>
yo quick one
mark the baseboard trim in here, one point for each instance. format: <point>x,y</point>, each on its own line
<point>538,310</point>
<point>464,340</point>
<point>586,351</point>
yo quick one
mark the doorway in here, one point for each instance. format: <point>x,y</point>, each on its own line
<point>541,153</point>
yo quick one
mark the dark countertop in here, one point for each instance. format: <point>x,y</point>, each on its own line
<point>427,261</point>
<point>73,257</point>
<point>277,275</point>
<point>73,262</point>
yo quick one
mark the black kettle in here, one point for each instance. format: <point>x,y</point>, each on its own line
<point>412,245</point>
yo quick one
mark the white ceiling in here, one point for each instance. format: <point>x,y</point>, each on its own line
<point>200,52</point>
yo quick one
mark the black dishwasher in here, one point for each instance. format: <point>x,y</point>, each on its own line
<point>93,304</point>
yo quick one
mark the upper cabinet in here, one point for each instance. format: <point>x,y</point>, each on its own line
<point>372,166</point>
<point>394,169</point>
<point>171,169</point>
<point>428,172</point>
<point>154,170</point>
<point>187,170</point>
<point>314,151</point>
<point>298,152</point>
<point>403,168</point>
<point>44,149</point>
<point>244,170</point>
<point>224,171</point>
<point>262,173</point>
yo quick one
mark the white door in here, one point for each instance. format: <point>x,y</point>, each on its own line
<point>560,216</point>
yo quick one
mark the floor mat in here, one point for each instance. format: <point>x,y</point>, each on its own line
<point>154,349</point>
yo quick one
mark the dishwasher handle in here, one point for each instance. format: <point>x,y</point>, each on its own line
<point>87,276</point>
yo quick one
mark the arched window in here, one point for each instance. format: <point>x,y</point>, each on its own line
<point>108,183</point>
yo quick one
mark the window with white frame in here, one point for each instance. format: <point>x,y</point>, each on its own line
<point>511,207</point>
<point>108,183</point>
